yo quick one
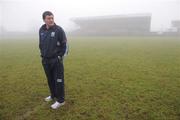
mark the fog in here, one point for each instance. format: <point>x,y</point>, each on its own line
<point>26,15</point>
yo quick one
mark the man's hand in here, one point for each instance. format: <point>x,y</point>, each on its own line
<point>60,58</point>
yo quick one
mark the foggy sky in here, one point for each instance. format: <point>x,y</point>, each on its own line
<point>26,15</point>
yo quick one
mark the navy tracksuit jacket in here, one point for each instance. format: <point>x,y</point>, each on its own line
<point>52,45</point>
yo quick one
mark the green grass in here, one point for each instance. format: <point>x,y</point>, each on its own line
<point>113,78</point>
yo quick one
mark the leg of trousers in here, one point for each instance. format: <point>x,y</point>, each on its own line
<point>54,70</point>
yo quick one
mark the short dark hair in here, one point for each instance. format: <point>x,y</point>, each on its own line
<point>46,13</point>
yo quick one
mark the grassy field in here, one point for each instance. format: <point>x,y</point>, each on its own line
<point>113,78</point>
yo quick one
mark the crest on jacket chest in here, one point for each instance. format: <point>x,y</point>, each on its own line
<point>52,34</point>
<point>58,43</point>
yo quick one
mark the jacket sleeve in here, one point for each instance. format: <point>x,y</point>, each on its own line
<point>63,40</point>
<point>39,39</point>
<point>40,44</point>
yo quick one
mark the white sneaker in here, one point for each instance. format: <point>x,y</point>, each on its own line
<point>56,105</point>
<point>47,99</point>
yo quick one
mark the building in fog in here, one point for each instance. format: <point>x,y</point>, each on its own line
<point>135,24</point>
<point>176,24</point>
<point>174,30</point>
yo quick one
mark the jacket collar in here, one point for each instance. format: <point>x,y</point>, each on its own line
<point>52,27</point>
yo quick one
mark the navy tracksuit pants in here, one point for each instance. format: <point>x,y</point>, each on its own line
<point>54,70</point>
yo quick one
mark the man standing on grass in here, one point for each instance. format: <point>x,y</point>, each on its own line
<point>52,45</point>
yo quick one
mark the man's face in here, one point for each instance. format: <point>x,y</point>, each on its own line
<point>49,20</point>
